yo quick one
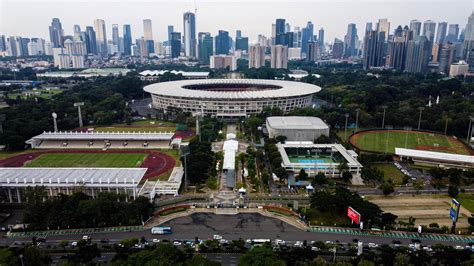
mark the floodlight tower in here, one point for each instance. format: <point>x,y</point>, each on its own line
<point>78,105</point>
<point>55,116</point>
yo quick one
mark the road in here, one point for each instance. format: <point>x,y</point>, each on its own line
<point>231,227</point>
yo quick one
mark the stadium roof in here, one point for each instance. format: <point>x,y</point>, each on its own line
<point>184,74</point>
<point>438,156</point>
<point>63,177</point>
<point>296,122</point>
<point>77,135</point>
<point>282,89</point>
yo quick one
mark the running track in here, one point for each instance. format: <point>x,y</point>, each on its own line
<point>156,162</point>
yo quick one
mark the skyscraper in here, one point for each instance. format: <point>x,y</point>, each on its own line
<point>222,42</point>
<point>280,37</point>
<point>56,33</point>
<point>374,56</point>
<point>418,54</point>
<point>127,39</point>
<point>306,36</point>
<point>441,34</point>
<point>206,47</point>
<point>101,37</point>
<point>91,42</point>
<point>429,28</point>
<point>256,56</point>
<point>189,22</point>
<point>453,33</point>
<point>77,33</point>
<point>397,48</point>
<point>321,38</point>
<point>242,43</point>
<point>337,49</point>
<point>279,56</point>
<point>447,54</point>
<point>116,37</point>
<point>148,36</point>
<point>350,41</point>
<point>238,34</point>
<point>175,44</point>
<point>3,43</point>
<point>313,52</point>
<point>468,44</point>
<point>415,26</point>
<point>170,30</point>
<point>383,26</point>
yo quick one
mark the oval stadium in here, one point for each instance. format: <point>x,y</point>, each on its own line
<point>228,98</point>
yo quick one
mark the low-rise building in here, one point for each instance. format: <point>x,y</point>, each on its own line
<point>296,128</point>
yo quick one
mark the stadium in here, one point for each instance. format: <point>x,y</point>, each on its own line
<point>230,98</point>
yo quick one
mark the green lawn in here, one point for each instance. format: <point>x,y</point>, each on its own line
<point>88,160</point>
<point>390,171</point>
<point>467,201</point>
<point>45,94</point>
<point>387,141</point>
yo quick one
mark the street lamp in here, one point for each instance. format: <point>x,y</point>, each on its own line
<point>55,116</point>
<point>184,152</point>
<point>388,136</point>
<point>419,118</point>
<point>345,128</point>
<point>357,119</point>
<point>446,124</point>
<point>384,107</point>
<point>469,129</point>
<point>407,129</point>
<point>78,105</point>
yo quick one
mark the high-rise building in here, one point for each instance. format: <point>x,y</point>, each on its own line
<point>147,29</point>
<point>24,45</point>
<point>337,49</point>
<point>397,48</point>
<point>74,48</point>
<point>383,26</point>
<point>256,56</point>
<point>368,26</point>
<point>280,32</point>
<point>91,41</point>
<point>447,54</point>
<point>12,48</point>
<point>222,42</point>
<point>415,26</point>
<point>64,59</point>
<point>175,44</point>
<point>350,41</point>
<point>374,44</point>
<point>223,61</point>
<point>238,34</point>
<point>279,56</point>
<point>306,36</point>
<point>127,39</point>
<point>242,43</point>
<point>459,68</point>
<point>116,36</point>
<point>453,33</point>
<point>101,37</point>
<point>321,39</point>
<point>441,33</point>
<point>3,43</point>
<point>429,28</point>
<point>314,52</point>
<point>170,31</point>
<point>418,55</point>
<point>206,47</point>
<point>468,43</point>
<point>56,33</point>
<point>36,47</point>
<point>189,37</point>
<point>77,33</point>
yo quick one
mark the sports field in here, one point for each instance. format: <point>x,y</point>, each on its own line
<point>88,160</point>
<point>310,159</point>
<point>388,140</point>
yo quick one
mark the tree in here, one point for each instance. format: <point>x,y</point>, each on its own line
<point>346,176</point>
<point>7,257</point>
<point>281,139</point>
<point>402,259</point>
<point>281,173</point>
<point>302,175</point>
<point>261,256</point>
<point>323,139</point>
<point>387,188</point>
<point>63,244</point>
<point>418,185</point>
<point>199,260</point>
<point>342,167</point>
<point>453,191</point>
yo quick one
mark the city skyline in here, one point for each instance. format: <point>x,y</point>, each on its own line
<point>251,21</point>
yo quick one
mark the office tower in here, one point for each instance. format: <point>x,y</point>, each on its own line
<point>350,41</point>
<point>279,56</point>
<point>36,47</point>
<point>189,34</point>
<point>321,38</point>
<point>447,54</point>
<point>74,47</point>
<point>441,33</point>
<point>368,26</point>
<point>3,43</point>
<point>64,58</point>
<point>101,37</point>
<point>23,42</point>
<point>256,56</point>
<point>205,47</point>
<point>313,52</point>
<point>306,36</point>
<point>383,26</point>
<point>48,48</point>
<point>397,48</point>
<point>429,28</point>
<point>453,33</point>
<point>280,36</point>
<point>141,48</point>
<point>12,48</point>
<point>418,55</point>
<point>91,41</point>
<point>459,68</point>
<point>56,33</point>
<point>147,30</point>
<point>238,34</point>
<point>170,31</point>
<point>374,56</point>
<point>223,61</point>
<point>297,38</point>
<point>175,44</point>
<point>287,27</point>
<point>222,42</point>
<point>415,26</point>
<point>77,33</point>
<point>116,37</point>
<point>337,49</point>
<point>468,41</point>
<point>242,43</point>
<point>127,39</point>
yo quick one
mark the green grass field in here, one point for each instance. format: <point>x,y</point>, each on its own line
<point>391,172</point>
<point>387,141</point>
<point>467,201</point>
<point>88,160</point>
<point>45,94</point>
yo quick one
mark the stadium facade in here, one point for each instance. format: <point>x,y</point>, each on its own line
<point>296,128</point>
<point>230,98</point>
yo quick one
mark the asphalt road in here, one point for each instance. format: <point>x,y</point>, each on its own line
<point>230,227</point>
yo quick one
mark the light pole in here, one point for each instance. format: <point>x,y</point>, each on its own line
<point>383,119</point>
<point>55,116</point>
<point>388,137</point>
<point>357,119</point>
<point>407,129</point>
<point>469,129</point>
<point>78,105</point>
<point>345,128</point>
<point>184,152</point>
<point>446,124</point>
<point>419,118</point>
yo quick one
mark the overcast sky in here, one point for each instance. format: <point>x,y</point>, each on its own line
<point>31,18</point>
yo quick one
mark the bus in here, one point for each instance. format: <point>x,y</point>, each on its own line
<point>160,230</point>
<point>258,242</point>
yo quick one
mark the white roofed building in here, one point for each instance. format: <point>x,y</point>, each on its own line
<point>438,159</point>
<point>296,128</point>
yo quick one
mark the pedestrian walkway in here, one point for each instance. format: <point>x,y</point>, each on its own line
<point>83,231</point>
<point>393,234</point>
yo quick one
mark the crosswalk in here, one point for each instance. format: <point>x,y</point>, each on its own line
<point>75,231</point>
<point>393,234</point>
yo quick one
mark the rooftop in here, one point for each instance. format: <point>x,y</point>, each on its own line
<point>296,122</point>
<point>440,156</point>
<point>77,135</point>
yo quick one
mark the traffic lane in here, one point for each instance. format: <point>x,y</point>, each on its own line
<point>232,227</point>
<point>223,258</point>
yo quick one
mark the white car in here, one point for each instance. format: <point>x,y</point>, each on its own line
<point>217,237</point>
<point>176,243</point>
<point>86,237</point>
<point>428,249</point>
<point>372,245</point>
<point>315,249</point>
<point>74,244</point>
<point>458,247</point>
<point>299,244</point>
<point>156,240</point>
<point>280,242</point>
